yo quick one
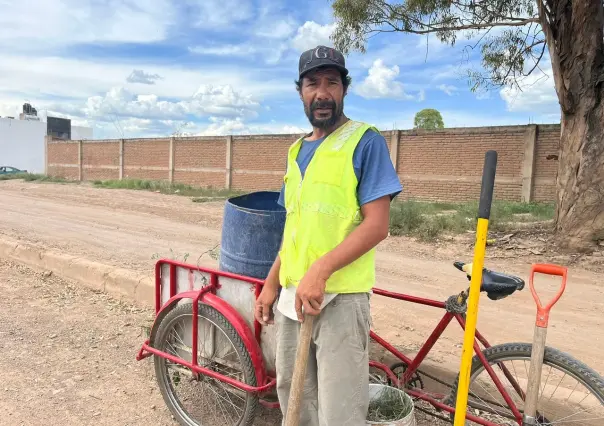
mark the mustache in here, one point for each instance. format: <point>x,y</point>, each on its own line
<point>323,105</point>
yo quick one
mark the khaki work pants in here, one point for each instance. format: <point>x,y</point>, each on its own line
<point>337,375</point>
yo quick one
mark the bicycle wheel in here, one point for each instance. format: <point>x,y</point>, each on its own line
<point>197,399</point>
<point>580,404</point>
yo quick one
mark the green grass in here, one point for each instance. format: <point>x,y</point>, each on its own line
<point>428,220</point>
<point>35,177</point>
<point>202,194</point>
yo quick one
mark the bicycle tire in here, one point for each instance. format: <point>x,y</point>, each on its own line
<point>577,369</point>
<point>211,314</point>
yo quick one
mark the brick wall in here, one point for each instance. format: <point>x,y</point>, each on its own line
<point>544,188</point>
<point>100,160</point>
<point>258,162</point>
<point>432,165</point>
<point>200,161</point>
<point>448,164</point>
<point>62,160</point>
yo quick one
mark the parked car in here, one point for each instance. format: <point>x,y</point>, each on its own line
<point>7,170</point>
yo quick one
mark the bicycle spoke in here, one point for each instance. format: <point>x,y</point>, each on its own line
<point>201,397</point>
<point>557,402</point>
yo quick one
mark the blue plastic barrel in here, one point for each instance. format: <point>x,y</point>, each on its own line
<point>252,228</point>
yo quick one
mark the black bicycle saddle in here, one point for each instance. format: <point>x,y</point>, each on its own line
<point>497,285</point>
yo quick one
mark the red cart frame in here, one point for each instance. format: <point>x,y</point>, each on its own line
<point>252,338</point>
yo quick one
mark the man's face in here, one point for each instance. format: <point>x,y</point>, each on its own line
<point>322,93</point>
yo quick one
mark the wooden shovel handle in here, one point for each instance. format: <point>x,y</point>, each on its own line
<point>296,392</point>
<point>534,378</point>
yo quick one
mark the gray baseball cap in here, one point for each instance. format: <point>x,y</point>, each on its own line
<point>321,56</point>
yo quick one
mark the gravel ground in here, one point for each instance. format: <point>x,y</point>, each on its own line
<point>68,355</point>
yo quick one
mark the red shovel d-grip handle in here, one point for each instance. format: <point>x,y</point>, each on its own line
<point>543,311</point>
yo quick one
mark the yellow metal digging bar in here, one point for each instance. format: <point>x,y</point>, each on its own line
<point>482,227</point>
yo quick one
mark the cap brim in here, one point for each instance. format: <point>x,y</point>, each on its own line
<point>336,66</point>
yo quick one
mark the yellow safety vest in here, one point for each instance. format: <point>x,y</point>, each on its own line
<point>322,209</point>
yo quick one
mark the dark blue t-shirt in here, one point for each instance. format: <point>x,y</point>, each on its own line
<point>372,166</point>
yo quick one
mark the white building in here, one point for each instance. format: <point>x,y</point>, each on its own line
<point>22,141</point>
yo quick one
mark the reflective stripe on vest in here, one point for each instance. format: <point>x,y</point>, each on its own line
<point>322,209</point>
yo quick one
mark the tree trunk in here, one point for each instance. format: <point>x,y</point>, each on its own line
<point>574,31</point>
<point>580,183</point>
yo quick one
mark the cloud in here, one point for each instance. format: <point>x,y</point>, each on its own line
<point>403,119</point>
<point>129,127</point>
<point>537,94</point>
<point>10,109</point>
<point>381,83</point>
<point>140,76</point>
<point>40,78</point>
<point>115,126</point>
<point>219,13</point>
<point>269,53</point>
<point>279,30</point>
<point>226,126</point>
<point>274,26</point>
<point>224,50</point>
<point>239,127</point>
<point>448,89</point>
<point>311,35</point>
<point>220,101</point>
<point>94,92</point>
<point>42,24</point>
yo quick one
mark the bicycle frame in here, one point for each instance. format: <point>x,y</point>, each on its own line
<point>414,363</point>
<point>252,338</point>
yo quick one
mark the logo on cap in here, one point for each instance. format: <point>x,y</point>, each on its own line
<point>321,56</point>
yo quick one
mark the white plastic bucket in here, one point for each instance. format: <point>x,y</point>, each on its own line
<point>376,392</point>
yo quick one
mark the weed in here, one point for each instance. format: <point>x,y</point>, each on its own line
<point>168,188</point>
<point>173,256</point>
<point>429,220</point>
<point>389,405</point>
<point>405,217</point>
<point>36,177</point>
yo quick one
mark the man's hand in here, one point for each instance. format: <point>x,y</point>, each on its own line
<point>263,310</point>
<point>264,305</point>
<point>311,290</point>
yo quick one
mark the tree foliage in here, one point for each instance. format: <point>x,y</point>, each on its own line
<point>511,40</point>
<point>428,118</point>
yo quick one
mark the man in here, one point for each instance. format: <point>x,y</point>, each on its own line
<point>337,192</point>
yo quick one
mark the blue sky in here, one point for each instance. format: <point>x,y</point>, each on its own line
<point>136,68</point>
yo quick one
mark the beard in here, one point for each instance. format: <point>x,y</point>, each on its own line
<point>328,122</point>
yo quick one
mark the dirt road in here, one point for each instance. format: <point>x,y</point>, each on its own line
<point>68,356</point>
<point>131,228</point>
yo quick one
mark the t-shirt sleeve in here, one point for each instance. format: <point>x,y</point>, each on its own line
<point>281,200</point>
<point>377,176</point>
